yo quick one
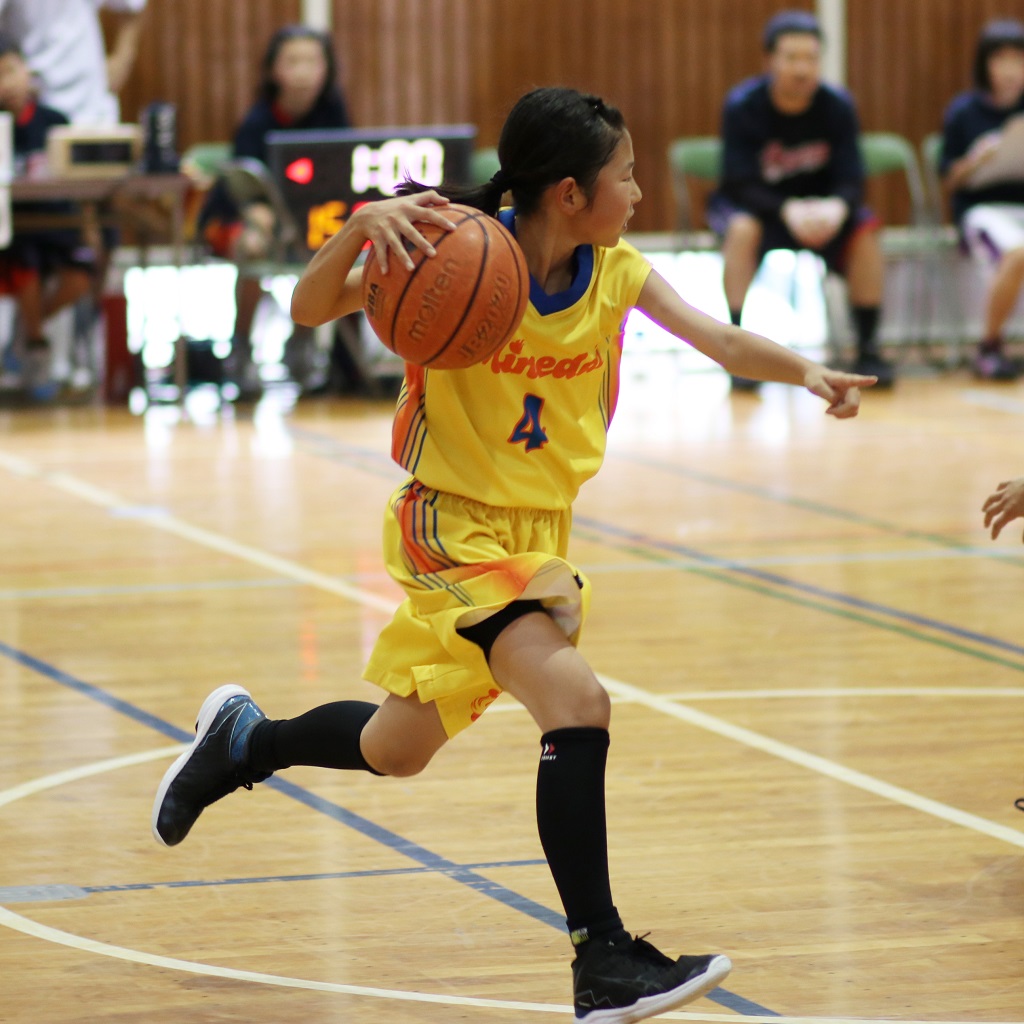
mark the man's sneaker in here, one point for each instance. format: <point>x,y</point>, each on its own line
<point>630,980</point>
<point>994,366</point>
<point>745,385</point>
<point>870,364</point>
<point>213,767</point>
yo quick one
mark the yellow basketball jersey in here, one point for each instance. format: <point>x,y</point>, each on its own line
<point>529,425</point>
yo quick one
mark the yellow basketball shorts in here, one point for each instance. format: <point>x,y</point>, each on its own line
<point>459,562</point>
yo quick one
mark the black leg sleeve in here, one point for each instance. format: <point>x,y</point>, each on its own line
<point>326,737</point>
<point>573,831</point>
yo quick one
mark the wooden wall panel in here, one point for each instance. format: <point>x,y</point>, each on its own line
<point>666,63</point>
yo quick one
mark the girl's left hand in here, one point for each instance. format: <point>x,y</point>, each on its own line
<point>840,390</point>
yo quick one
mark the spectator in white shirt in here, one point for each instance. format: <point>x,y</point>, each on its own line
<point>62,40</point>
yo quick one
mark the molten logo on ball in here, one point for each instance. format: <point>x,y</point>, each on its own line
<point>432,303</point>
<point>457,308</point>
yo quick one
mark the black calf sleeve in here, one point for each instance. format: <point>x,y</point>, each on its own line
<point>571,822</point>
<point>326,737</point>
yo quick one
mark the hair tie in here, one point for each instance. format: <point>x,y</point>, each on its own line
<point>502,179</point>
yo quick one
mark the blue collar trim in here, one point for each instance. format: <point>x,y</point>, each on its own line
<point>584,270</point>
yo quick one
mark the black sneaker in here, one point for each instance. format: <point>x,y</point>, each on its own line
<point>211,768</point>
<point>994,365</point>
<point>870,364</point>
<point>630,980</point>
<point>746,385</point>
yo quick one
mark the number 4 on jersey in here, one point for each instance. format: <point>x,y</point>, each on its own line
<point>528,430</point>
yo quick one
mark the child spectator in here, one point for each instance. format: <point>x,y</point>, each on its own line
<point>298,91</point>
<point>990,218</point>
<point>45,270</point>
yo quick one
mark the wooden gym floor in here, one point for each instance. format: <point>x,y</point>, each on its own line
<point>816,657</point>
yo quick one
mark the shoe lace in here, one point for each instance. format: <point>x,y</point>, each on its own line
<point>248,777</point>
<point>646,951</point>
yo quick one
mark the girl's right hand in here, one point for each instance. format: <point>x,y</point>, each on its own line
<point>388,223</point>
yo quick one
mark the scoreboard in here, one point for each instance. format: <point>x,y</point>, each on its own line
<point>324,175</point>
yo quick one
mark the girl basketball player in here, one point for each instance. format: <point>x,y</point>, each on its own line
<point>478,534</point>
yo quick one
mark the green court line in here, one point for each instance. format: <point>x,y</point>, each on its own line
<point>380,465</point>
<point>722,576</point>
<point>817,507</point>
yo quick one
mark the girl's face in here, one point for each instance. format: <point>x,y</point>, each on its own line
<point>300,71</point>
<point>615,194</point>
<point>1006,74</point>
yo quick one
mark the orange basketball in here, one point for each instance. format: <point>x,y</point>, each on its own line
<point>454,309</point>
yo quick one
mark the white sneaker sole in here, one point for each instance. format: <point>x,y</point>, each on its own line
<point>649,1006</point>
<point>207,713</point>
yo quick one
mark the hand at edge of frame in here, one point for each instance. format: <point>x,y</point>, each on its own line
<point>1003,505</point>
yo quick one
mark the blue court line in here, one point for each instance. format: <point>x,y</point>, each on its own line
<point>656,544</point>
<point>463,874</point>
<point>202,883</point>
<point>380,463</point>
<point>817,507</point>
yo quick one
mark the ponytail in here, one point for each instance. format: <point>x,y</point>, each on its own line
<point>551,134</point>
<point>486,197</point>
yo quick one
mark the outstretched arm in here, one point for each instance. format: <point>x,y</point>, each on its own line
<point>745,354</point>
<point>1004,504</point>
<point>329,288</point>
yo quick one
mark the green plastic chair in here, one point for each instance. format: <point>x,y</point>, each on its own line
<point>888,153</point>
<point>930,247</point>
<point>695,158</point>
<point>207,158</point>
<point>916,245</point>
<point>946,256</point>
<point>931,156</point>
<point>484,165</point>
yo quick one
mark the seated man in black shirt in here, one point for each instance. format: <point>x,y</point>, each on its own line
<point>792,178</point>
<point>990,215</point>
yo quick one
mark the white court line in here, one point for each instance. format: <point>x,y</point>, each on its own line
<point>8,796</point>
<point>17,922</point>
<point>823,766</point>
<point>217,542</point>
<point>55,935</point>
<point>831,693</point>
<point>616,688</point>
<point>795,693</point>
<point>620,689</point>
<point>989,400</point>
